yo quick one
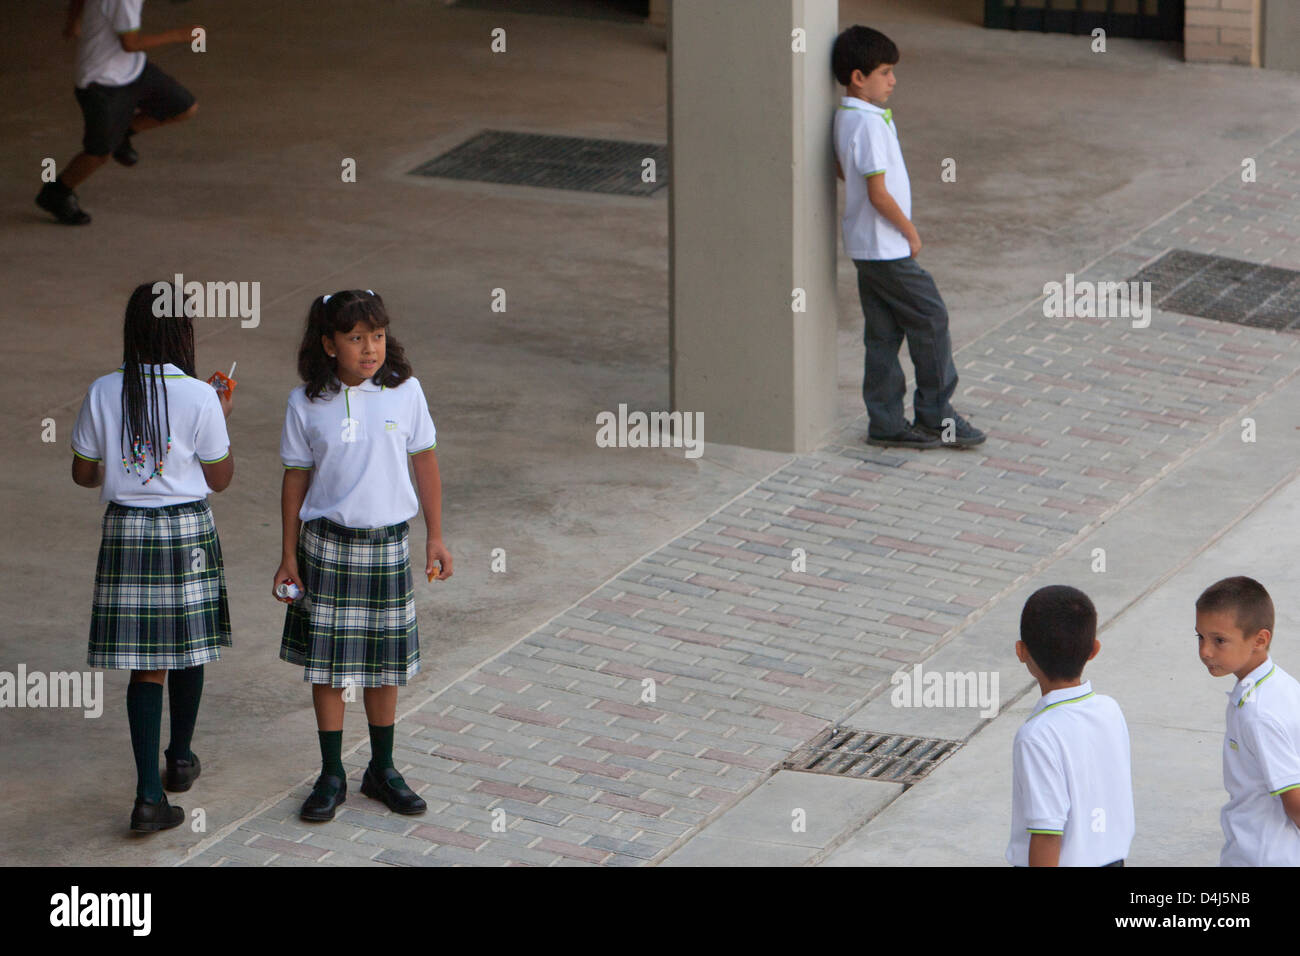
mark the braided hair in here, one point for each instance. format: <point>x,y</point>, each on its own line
<point>151,337</point>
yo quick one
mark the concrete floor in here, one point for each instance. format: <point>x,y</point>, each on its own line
<point>1061,155</point>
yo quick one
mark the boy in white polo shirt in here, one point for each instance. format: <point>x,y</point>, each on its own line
<point>899,298</point>
<point>1261,745</point>
<point>1072,791</point>
<point>119,91</point>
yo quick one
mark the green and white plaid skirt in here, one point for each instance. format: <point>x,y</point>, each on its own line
<point>160,592</point>
<point>357,624</point>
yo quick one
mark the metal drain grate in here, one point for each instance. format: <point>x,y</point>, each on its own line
<point>552,162</point>
<point>891,757</point>
<point>1229,290</point>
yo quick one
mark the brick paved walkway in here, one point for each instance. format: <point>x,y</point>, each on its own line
<point>749,658</point>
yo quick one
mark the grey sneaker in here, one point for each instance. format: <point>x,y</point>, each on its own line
<point>910,437</point>
<point>964,434</point>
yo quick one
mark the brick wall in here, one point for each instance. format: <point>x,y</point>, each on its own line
<point>1222,31</point>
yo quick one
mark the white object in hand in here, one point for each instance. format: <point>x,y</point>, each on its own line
<point>287,589</point>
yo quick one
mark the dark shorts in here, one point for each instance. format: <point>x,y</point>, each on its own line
<point>108,110</point>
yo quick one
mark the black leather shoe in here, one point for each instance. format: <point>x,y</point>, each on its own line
<point>910,437</point>
<point>181,774</point>
<point>125,152</point>
<point>387,785</point>
<point>62,204</point>
<point>326,796</point>
<point>149,817</point>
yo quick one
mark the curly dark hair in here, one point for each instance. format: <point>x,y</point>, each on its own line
<point>341,313</point>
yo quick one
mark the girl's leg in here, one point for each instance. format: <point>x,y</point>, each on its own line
<point>381,714</point>
<point>329,705</point>
<point>381,780</point>
<point>144,712</point>
<point>184,690</point>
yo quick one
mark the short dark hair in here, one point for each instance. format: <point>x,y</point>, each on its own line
<point>860,48</point>
<point>1251,607</point>
<point>1059,627</point>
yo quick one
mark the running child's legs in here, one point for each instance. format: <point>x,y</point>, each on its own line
<point>912,305</point>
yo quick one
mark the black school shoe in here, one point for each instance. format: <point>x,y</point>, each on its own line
<point>181,774</point>
<point>965,435</point>
<point>149,817</point>
<point>910,437</point>
<point>387,785</point>
<point>62,203</point>
<point>125,152</point>
<point>329,792</point>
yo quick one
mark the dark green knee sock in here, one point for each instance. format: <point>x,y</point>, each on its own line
<point>184,689</point>
<point>144,712</point>
<point>381,746</point>
<point>331,752</point>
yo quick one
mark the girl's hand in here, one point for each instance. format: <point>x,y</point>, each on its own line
<point>227,398</point>
<point>287,571</point>
<point>436,553</point>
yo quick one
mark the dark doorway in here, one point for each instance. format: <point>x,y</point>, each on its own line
<point>625,10</point>
<point>1140,19</point>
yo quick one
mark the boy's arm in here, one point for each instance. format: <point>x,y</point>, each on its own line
<point>886,205</point>
<point>72,26</point>
<point>839,170</point>
<point>135,41</point>
<point>1044,849</point>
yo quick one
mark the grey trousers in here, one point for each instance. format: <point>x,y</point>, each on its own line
<point>900,300</point>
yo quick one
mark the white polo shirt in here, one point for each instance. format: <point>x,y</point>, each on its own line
<point>1261,759</point>
<point>1071,775</point>
<point>100,57</point>
<point>198,434</point>
<point>358,440</point>
<point>866,144</point>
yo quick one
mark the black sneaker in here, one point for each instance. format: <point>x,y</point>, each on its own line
<point>125,152</point>
<point>61,202</point>
<point>909,437</point>
<point>964,434</point>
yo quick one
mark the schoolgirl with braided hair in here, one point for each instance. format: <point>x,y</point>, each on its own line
<point>153,437</point>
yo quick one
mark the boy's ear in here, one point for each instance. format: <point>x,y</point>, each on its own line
<point>1265,634</point>
<point>1096,648</point>
<point>1022,652</point>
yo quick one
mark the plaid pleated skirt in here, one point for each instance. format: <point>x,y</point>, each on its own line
<point>160,591</point>
<point>357,624</point>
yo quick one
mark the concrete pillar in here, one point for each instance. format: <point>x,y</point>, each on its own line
<point>752,218</point>
<point>1281,35</point>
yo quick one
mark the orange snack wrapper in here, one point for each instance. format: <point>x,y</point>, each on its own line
<point>222,382</point>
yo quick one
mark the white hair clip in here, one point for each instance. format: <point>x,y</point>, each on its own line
<point>326,298</point>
